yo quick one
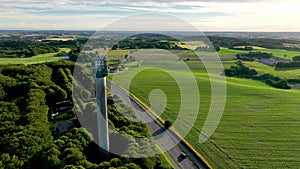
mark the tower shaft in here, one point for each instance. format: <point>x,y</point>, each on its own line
<point>102,116</point>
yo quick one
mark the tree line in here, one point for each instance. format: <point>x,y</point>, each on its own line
<point>232,42</point>
<point>289,65</point>
<point>148,41</point>
<point>242,71</point>
<point>25,48</point>
<point>251,56</point>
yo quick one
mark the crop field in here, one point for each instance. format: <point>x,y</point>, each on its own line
<point>47,57</point>
<point>291,45</point>
<point>224,53</point>
<point>59,39</point>
<point>192,44</point>
<point>117,54</point>
<point>260,126</point>
<point>232,52</point>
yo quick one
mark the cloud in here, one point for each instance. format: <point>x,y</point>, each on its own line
<point>91,3</point>
<point>118,8</point>
<point>214,14</point>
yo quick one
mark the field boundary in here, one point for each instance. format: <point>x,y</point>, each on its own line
<point>186,143</point>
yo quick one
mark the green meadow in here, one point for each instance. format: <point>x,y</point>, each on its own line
<point>260,126</point>
<point>231,52</point>
<point>283,73</point>
<point>286,73</point>
<point>41,58</point>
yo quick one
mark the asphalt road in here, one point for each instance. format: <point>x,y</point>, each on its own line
<point>174,154</point>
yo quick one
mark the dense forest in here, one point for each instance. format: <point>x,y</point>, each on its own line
<point>148,41</point>
<point>230,42</point>
<point>28,96</point>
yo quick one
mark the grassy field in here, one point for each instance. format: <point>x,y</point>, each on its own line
<point>224,53</point>
<point>279,53</point>
<point>117,54</point>
<point>48,57</point>
<point>260,126</point>
<point>231,52</point>
<point>284,73</point>
<point>263,69</point>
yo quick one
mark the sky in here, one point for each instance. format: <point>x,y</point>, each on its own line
<point>205,15</point>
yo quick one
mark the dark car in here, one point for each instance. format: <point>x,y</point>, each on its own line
<point>183,155</point>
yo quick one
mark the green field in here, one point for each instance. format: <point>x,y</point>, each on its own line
<point>231,52</point>
<point>260,126</point>
<point>283,73</point>
<point>117,54</point>
<point>263,69</point>
<point>48,57</point>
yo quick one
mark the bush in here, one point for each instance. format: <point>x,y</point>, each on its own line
<point>288,65</point>
<point>296,58</point>
<point>240,71</point>
<point>281,84</point>
<point>252,55</point>
<point>168,124</point>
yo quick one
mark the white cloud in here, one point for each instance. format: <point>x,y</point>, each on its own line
<point>253,15</point>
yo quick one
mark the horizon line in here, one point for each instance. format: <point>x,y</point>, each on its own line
<point>209,31</point>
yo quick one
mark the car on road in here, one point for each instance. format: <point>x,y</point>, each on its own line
<point>183,155</point>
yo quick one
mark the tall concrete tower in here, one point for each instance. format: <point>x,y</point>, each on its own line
<point>102,118</point>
